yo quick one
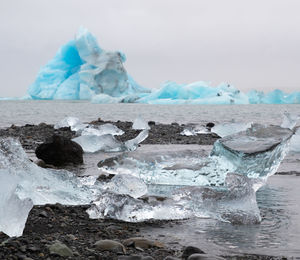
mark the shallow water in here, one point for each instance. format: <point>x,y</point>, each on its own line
<point>277,235</point>
<point>279,232</point>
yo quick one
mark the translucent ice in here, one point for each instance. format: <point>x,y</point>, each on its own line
<point>182,184</point>
<point>194,130</point>
<point>225,129</point>
<point>108,143</point>
<point>42,185</point>
<point>94,143</point>
<point>295,142</point>
<point>102,130</point>
<point>13,210</point>
<point>289,120</point>
<point>140,124</point>
<point>72,122</point>
<point>127,184</point>
<point>235,203</point>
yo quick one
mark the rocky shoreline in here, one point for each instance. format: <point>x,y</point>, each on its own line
<point>66,232</point>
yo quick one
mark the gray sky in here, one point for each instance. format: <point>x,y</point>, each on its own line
<point>252,44</point>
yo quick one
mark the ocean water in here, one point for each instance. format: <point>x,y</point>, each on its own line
<point>279,200</point>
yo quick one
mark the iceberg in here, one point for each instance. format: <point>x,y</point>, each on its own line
<point>82,70</point>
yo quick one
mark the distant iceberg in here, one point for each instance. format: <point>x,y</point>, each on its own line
<point>81,70</point>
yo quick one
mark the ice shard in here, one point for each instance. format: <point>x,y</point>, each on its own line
<point>94,143</point>
<point>73,122</point>
<point>13,210</point>
<point>225,129</point>
<point>102,130</point>
<point>140,124</point>
<point>289,120</point>
<point>108,143</point>
<point>39,184</point>
<point>295,142</point>
<point>127,184</point>
<point>194,130</point>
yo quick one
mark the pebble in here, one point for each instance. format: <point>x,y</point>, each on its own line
<point>189,250</point>
<point>58,248</point>
<point>142,243</point>
<point>110,245</point>
<point>204,257</point>
<point>171,258</point>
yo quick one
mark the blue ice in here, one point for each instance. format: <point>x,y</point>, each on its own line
<point>81,69</point>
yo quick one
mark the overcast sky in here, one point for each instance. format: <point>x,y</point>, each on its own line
<point>252,44</point>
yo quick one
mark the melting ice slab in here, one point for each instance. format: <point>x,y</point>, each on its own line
<point>221,186</point>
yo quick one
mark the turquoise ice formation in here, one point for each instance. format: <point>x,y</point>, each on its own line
<point>81,70</point>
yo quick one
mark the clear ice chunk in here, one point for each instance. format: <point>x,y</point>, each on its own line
<point>190,131</point>
<point>72,122</point>
<point>234,203</point>
<point>256,152</point>
<point>39,184</point>
<point>108,143</point>
<point>132,144</point>
<point>127,184</point>
<point>295,142</point>
<point>13,210</point>
<point>223,130</point>
<point>102,130</point>
<point>222,186</point>
<point>289,120</point>
<point>140,124</point>
<point>95,143</point>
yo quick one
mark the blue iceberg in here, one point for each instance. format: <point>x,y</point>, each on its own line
<point>81,70</point>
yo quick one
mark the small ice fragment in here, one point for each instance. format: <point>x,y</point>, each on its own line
<point>289,120</point>
<point>295,142</point>
<point>140,124</point>
<point>102,130</point>
<point>190,131</point>
<point>127,184</point>
<point>230,128</point>
<point>94,143</point>
<point>13,210</point>
<point>72,122</point>
<point>132,144</point>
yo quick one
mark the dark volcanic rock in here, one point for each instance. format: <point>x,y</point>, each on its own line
<point>59,151</point>
<point>190,250</point>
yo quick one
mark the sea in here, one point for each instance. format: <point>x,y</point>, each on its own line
<point>279,200</point>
